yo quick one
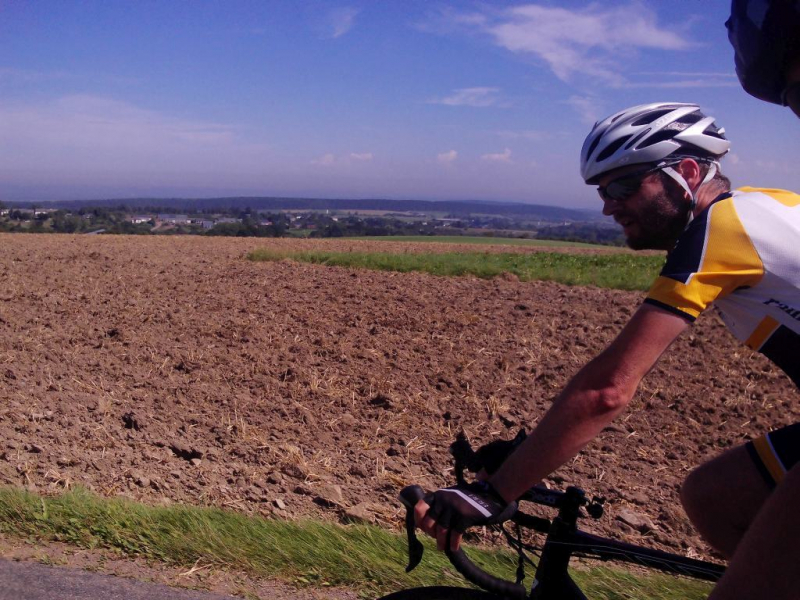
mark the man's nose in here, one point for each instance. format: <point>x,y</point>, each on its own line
<point>609,207</point>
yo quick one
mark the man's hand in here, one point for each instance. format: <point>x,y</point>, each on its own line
<point>459,508</point>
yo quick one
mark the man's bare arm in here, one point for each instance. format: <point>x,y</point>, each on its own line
<point>590,401</point>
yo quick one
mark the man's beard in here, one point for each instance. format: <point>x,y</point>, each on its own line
<point>659,224</point>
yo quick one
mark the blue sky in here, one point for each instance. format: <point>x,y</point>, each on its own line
<point>381,98</point>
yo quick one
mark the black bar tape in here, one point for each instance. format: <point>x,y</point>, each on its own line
<point>481,578</point>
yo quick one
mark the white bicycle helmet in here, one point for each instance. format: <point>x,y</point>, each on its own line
<point>651,134</point>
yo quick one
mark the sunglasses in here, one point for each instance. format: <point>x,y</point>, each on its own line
<point>624,187</point>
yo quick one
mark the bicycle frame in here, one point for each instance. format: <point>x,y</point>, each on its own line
<point>564,539</point>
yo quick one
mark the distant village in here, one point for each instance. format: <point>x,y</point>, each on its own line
<point>294,223</point>
<point>156,221</point>
<point>120,221</point>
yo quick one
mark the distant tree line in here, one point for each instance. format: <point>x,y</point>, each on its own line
<point>247,222</point>
<point>583,232</point>
<point>251,226</point>
<point>462,209</point>
<point>354,226</point>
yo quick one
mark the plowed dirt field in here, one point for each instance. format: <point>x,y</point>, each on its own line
<point>173,369</point>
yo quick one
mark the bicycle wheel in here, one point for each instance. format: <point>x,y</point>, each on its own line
<point>440,592</point>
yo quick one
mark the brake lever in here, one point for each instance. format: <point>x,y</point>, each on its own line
<point>409,496</point>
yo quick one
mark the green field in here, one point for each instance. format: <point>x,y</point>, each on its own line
<point>622,271</point>
<point>305,553</point>
<point>486,241</point>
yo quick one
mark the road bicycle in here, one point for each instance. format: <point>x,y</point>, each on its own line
<point>564,540</point>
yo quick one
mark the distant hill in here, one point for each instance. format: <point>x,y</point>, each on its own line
<point>455,208</point>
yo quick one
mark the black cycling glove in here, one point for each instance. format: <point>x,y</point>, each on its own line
<point>466,505</point>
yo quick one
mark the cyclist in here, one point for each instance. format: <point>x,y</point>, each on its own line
<point>657,171</point>
<point>766,39</point>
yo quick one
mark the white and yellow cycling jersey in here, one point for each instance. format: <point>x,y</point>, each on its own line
<point>743,255</point>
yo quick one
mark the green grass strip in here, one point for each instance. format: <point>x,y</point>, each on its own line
<point>307,553</point>
<point>481,241</point>
<point>616,271</point>
<point>303,552</point>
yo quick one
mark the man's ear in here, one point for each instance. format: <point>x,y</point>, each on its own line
<point>691,172</point>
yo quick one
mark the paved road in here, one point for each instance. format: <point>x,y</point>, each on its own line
<point>34,581</point>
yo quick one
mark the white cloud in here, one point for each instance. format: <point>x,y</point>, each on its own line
<point>714,74</point>
<point>589,42</point>
<point>587,107</point>
<point>29,76</point>
<point>442,20</point>
<point>682,84</point>
<point>329,159</point>
<point>504,156</point>
<point>324,160</point>
<point>341,20</point>
<point>732,159</point>
<point>530,135</point>
<point>474,96</point>
<point>776,166</point>
<point>107,129</point>
<point>471,19</point>
<point>92,140</point>
<point>447,157</point>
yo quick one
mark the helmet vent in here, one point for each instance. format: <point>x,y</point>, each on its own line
<point>650,117</point>
<point>689,119</point>
<point>593,146</point>
<point>714,131</point>
<point>612,148</point>
<point>636,138</point>
<point>659,136</point>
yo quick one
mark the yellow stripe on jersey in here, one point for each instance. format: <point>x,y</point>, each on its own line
<point>761,333</point>
<point>767,456</point>
<point>729,262</point>
<point>785,197</point>
<point>676,294</point>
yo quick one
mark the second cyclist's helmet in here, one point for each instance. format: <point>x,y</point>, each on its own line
<point>651,134</point>
<point>765,35</point>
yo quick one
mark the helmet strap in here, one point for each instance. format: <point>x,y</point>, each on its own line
<point>712,170</point>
